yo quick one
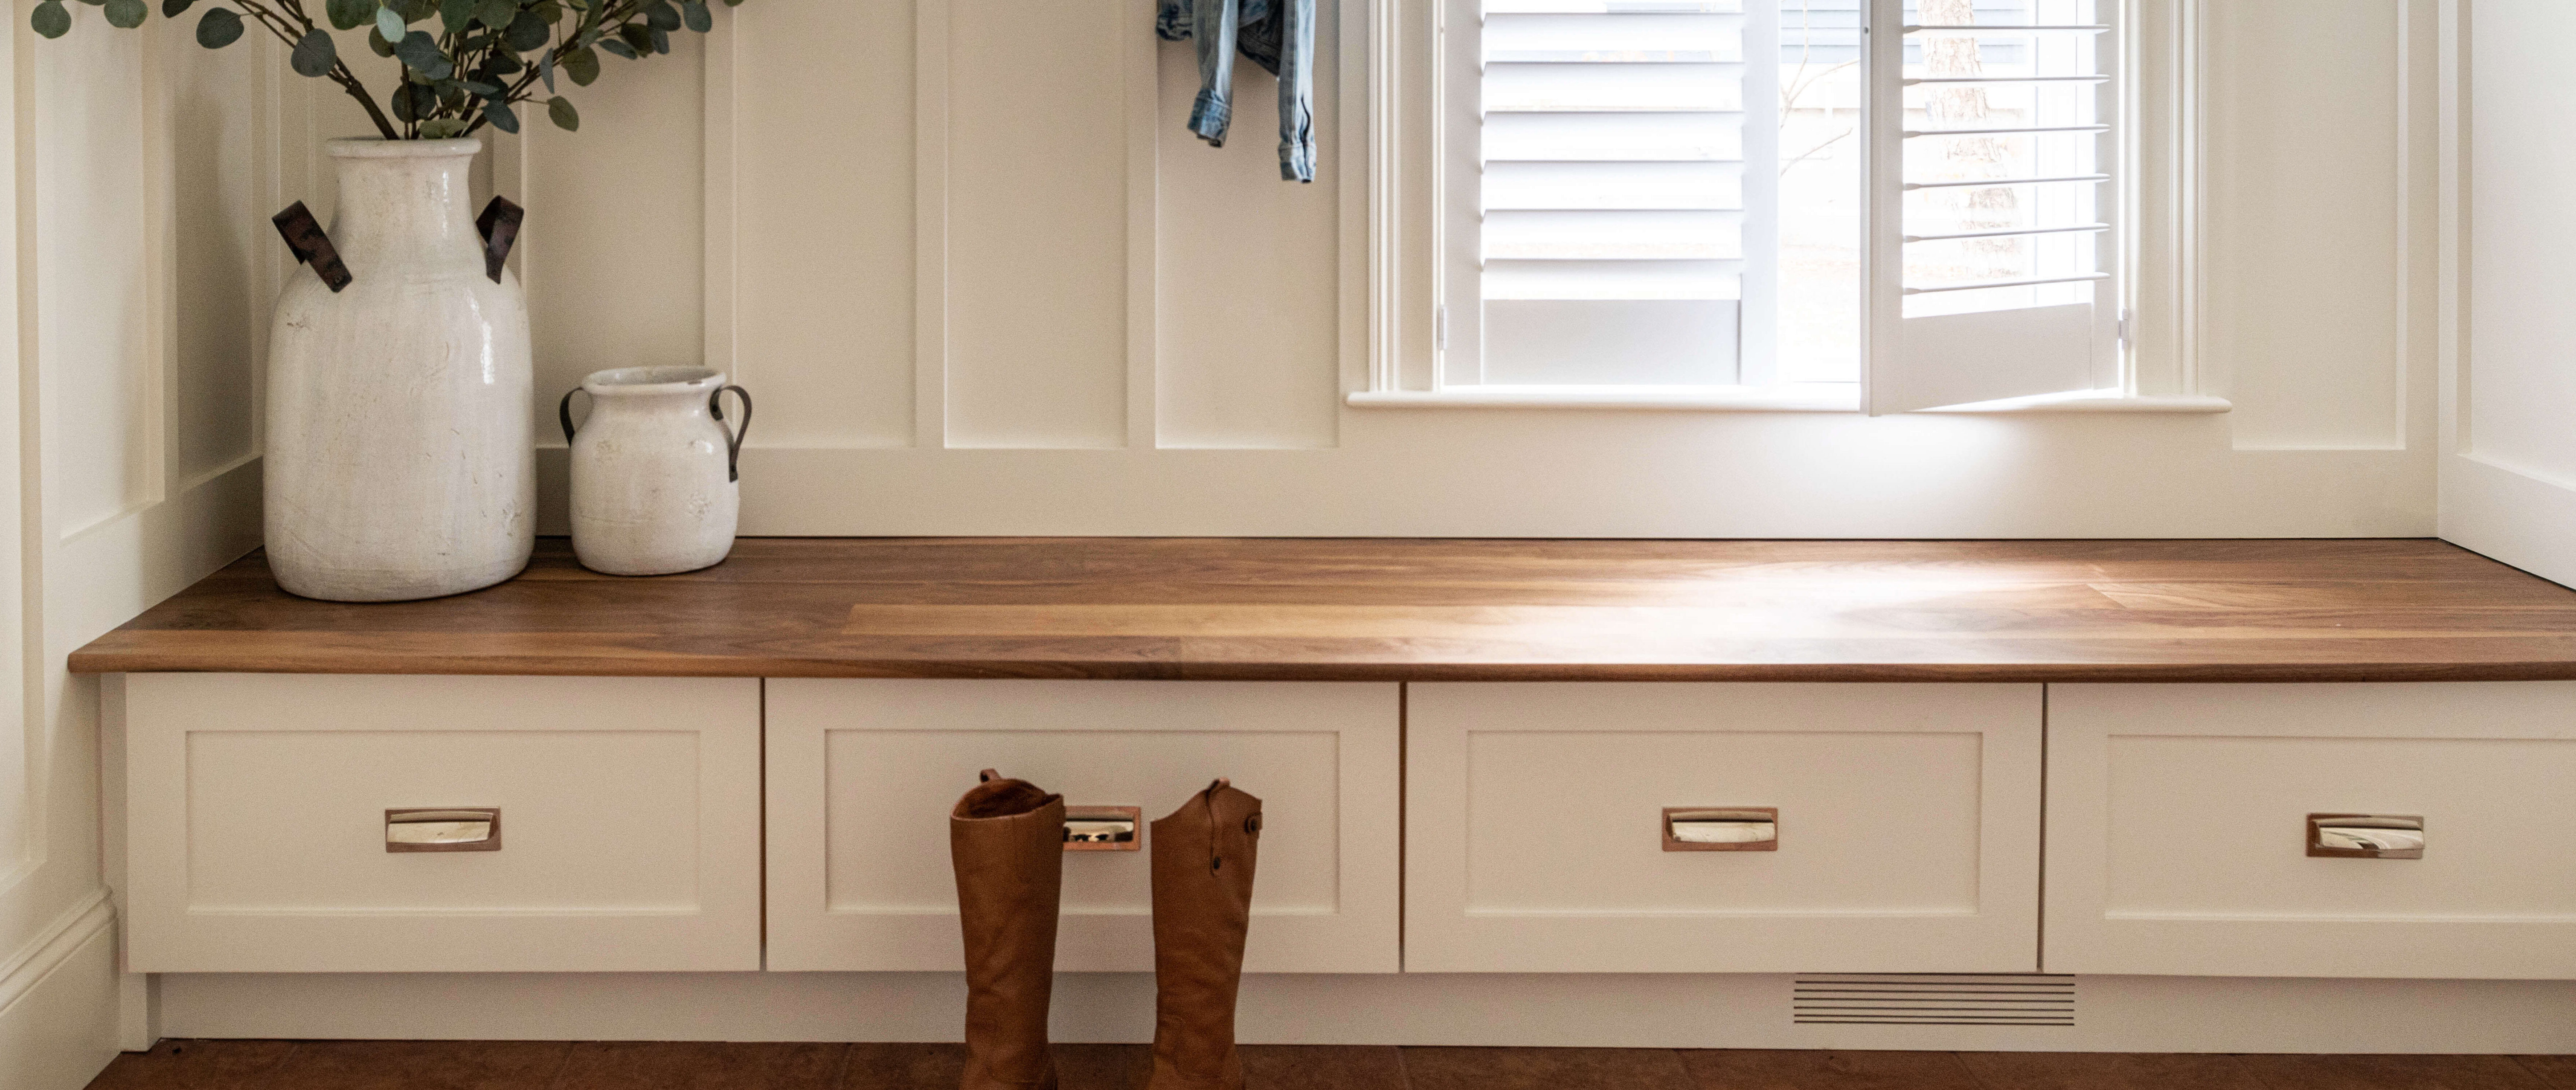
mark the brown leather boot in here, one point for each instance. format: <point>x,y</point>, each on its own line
<point>1203,863</point>
<point>1006,839</point>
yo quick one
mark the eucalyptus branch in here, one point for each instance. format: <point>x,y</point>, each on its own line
<point>479,58</point>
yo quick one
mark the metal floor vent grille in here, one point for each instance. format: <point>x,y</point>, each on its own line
<point>1934,999</point>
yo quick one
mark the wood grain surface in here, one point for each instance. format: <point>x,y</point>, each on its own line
<point>1427,610</point>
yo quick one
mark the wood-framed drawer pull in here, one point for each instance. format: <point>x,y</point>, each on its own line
<point>2366,836</point>
<point>1721,829</point>
<point>1103,828</point>
<point>470,829</point>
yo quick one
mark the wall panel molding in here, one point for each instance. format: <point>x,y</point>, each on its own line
<point>1198,420</point>
<point>2289,260</point>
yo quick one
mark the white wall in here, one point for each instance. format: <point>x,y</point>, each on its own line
<point>143,274</point>
<point>982,282</point>
<point>2509,471</point>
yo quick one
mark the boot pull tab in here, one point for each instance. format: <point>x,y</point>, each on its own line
<point>987,776</point>
<point>1216,858</point>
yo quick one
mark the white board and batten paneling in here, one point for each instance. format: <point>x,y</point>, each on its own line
<point>140,171</point>
<point>2508,476</point>
<point>257,810</point>
<point>862,775</point>
<point>2177,830</point>
<point>984,282</point>
<point>1908,831</point>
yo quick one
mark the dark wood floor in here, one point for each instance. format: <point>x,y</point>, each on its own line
<point>556,1065</point>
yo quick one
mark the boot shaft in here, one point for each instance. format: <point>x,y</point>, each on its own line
<point>1205,855</point>
<point>1006,842</point>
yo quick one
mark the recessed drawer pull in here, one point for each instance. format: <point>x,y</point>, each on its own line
<point>1721,829</point>
<point>2365,836</point>
<point>1102,828</point>
<point>452,830</point>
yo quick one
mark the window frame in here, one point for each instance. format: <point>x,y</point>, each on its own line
<point>1415,174</point>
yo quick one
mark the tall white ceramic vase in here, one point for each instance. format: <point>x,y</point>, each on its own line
<point>401,456</point>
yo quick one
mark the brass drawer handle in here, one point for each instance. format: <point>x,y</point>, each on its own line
<point>449,830</point>
<point>1102,828</point>
<point>2366,836</point>
<point>1721,829</point>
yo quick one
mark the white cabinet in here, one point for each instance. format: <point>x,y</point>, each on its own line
<point>628,821</point>
<point>2178,830</point>
<point>1907,828</point>
<point>862,775</point>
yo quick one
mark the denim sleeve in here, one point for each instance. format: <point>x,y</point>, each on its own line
<point>1212,24</point>
<point>1282,40</point>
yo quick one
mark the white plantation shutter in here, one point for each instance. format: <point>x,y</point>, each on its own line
<point>1993,158</point>
<point>1612,172</point>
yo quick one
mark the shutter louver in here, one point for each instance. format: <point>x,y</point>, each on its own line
<point>1992,165</point>
<point>1623,190</point>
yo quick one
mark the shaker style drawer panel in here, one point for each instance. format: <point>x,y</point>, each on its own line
<point>1734,828</point>
<point>439,824</point>
<point>863,773</point>
<point>2181,820</point>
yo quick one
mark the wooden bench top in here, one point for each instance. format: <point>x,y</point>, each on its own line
<point>1425,610</point>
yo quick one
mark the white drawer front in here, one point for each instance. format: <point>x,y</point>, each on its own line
<point>1907,829</point>
<point>2178,819</point>
<point>629,823</point>
<point>862,775</point>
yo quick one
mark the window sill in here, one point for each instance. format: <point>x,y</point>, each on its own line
<point>1818,397</point>
<point>1808,397</point>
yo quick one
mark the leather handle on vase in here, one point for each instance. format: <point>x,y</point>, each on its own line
<point>563,411</point>
<point>733,436</point>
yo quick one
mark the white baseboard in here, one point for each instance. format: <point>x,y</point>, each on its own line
<point>2141,1014</point>
<point>58,1003</point>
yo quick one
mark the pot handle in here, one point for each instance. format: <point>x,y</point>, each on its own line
<point>733,437</point>
<point>563,411</point>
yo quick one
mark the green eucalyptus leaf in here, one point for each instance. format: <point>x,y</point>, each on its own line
<point>349,14</point>
<point>696,16</point>
<point>661,40</point>
<point>456,13</point>
<point>582,65</point>
<point>638,37</point>
<point>376,42</point>
<point>478,88</point>
<point>564,116</point>
<point>413,11</point>
<point>314,54</point>
<point>442,128</point>
<point>127,14</point>
<point>546,70</point>
<point>501,117</point>
<point>496,13</point>
<point>617,48</point>
<point>389,26</point>
<point>218,28</point>
<point>420,53</point>
<point>528,32</point>
<point>172,9</point>
<point>51,19</point>
<point>662,16</point>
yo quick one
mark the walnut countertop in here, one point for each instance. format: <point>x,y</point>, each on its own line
<point>1425,610</point>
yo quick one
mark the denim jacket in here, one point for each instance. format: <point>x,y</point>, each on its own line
<point>1279,35</point>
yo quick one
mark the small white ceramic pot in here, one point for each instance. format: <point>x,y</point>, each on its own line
<point>655,472</point>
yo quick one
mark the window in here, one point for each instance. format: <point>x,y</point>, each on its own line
<point>1650,197</point>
